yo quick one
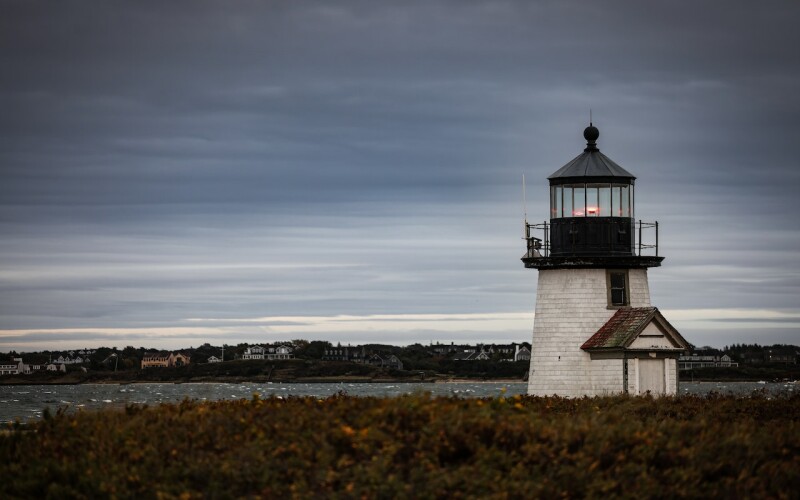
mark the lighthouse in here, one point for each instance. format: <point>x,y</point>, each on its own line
<point>595,331</point>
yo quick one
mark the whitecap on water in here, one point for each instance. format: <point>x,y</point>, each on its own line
<point>107,401</point>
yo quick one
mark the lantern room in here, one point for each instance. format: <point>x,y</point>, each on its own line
<point>592,211</point>
<point>591,204</point>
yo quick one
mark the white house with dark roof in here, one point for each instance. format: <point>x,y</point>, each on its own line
<point>254,352</point>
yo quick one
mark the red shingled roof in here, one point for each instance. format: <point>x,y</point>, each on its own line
<point>625,325</point>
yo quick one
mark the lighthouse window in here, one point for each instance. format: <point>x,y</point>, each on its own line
<point>617,288</point>
<point>556,201</point>
<point>605,201</point>
<point>579,202</point>
<point>625,202</point>
<point>567,202</point>
<point>620,201</point>
<point>592,205</point>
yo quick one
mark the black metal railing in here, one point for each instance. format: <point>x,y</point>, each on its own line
<point>540,242</point>
<point>537,247</point>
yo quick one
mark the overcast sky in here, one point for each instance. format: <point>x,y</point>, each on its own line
<point>174,173</point>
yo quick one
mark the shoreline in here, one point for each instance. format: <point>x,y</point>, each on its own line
<point>245,381</point>
<point>331,380</point>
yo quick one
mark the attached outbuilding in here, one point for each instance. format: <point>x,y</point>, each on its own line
<point>641,346</point>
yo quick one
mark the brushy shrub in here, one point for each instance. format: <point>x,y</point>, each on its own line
<point>413,447</point>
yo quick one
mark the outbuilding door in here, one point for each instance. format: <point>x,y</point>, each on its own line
<point>651,376</point>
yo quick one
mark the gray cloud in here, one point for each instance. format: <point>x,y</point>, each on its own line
<point>160,162</point>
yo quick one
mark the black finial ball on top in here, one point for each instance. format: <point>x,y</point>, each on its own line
<point>591,134</point>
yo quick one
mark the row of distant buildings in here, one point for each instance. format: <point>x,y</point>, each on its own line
<point>19,367</point>
<point>174,359</point>
<point>483,352</point>
<point>59,364</point>
<point>707,357</point>
<point>269,353</point>
<point>695,360</point>
<point>360,354</point>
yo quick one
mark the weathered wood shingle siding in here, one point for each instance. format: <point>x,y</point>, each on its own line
<point>571,305</point>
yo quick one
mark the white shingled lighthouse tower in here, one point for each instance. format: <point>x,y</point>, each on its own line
<point>595,331</point>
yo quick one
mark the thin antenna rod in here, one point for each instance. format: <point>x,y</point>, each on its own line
<point>590,117</point>
<point>524,199</point>
<point>525,229</point>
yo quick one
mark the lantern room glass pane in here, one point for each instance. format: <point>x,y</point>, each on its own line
<point>605,201</point>
<point>592,205</point>
<point>567,208</point>
<point>579,202</point>
<point>556,201</point>
<point>625,202</point>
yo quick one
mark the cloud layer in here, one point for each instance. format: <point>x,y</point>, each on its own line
<point>266,159</point>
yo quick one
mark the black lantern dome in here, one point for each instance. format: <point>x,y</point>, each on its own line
<point>591,163</point>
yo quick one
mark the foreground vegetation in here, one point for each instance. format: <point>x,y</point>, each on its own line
<point>413,446</point>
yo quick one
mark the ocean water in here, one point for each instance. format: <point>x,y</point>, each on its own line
<point>27,402</point>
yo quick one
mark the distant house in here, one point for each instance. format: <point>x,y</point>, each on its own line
<point>280,352</point>
<point>471,355</point>
<point>14,368</point>
<point>387,361</point>
<point>444,349</point>
<point>393,362</point>
<point>504,349</point>
<point>164,359</point>
<point>254,352</point>
<point>18,367</point>
<point>70,359</point>
<point>704,359</point>
<point>155,360</point>
<point>375,360</point>
<point>337,353</point>
<point>271,353</point>
<point>522,353</point>
<point>179,359</point>
<point>214,359</point>
<point>348,353</point>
